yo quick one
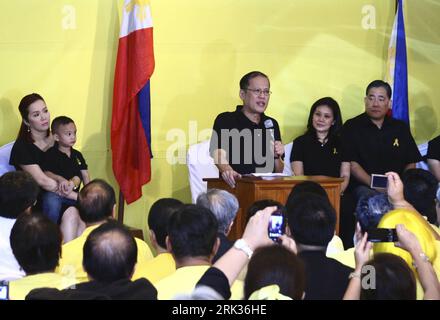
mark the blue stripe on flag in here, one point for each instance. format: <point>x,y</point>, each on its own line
<point>144,104</point>
<point>400,90</point>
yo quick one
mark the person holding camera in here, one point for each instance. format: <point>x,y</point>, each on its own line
<point>275,271</point>
<point>394,279</point>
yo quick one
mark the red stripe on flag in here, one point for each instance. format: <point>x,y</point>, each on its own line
<point>130,151</point>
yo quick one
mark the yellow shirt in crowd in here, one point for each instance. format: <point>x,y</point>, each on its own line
<point>155,269</point>
<point>18,289</point>
<point>184,280</point>
<point>72,256</point>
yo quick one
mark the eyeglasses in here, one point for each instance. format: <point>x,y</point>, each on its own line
<point>258,92</point>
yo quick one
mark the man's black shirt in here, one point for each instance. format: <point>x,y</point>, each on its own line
<point>245,157</point>
<point>434,149</point>
<point>379,150</point>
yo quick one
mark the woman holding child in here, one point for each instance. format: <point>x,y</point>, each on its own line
<point>34,138</point>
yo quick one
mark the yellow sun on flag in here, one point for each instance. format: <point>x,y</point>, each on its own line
<point>142,4</point>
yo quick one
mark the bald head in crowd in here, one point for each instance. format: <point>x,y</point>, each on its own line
<point>110,253</point>
<point>96,201</point>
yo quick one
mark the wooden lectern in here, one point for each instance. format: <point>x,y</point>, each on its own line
<point>249,189</point>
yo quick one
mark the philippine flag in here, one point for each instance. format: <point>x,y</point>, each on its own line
<point>130,129</point>
<point>397,69</point>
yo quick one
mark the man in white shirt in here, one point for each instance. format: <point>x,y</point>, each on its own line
<point>18,193</point>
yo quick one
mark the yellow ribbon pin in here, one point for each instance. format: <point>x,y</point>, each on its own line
<point>335,151</point>
<point>396,142</point>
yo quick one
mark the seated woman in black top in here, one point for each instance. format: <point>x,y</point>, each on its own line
<point>319,151</point>
<point>33,140</point>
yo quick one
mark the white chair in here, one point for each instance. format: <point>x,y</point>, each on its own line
<point>287,151</point>
<point>423,148</point>
<point>200,165</point>
<point>5,154</point>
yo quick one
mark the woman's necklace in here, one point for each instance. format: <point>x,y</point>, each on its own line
<point>323,141</point>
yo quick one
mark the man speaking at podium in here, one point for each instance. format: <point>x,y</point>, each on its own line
<point>246,140</point>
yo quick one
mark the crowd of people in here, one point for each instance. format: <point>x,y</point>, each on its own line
<point>59,238</point>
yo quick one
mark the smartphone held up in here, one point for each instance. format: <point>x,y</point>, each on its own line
<point>276,225</point>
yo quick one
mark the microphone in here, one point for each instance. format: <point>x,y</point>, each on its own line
<point>268,124</point>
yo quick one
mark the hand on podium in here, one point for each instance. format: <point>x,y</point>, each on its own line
<point>229,177</point>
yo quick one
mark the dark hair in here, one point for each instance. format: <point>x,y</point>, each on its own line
<point>307,186</point>
<point>159,215</point>
<point>110,253</point>
<point>379,84</point>
<point>23,107</point>
<point>337,117</point>
<point>420,188</point>
<point>96,201</point>
<point>370,209</point>
<point>192,232</point>
<point>60,121</point>
<point>244,81</point>
<point>393,278</point>
<point>312,219</point>
<point>262,204</point>
<point>36,243</point>
<point>275,265</point>
<point>18,191</point>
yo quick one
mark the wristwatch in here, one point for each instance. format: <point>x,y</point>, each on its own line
<point>240,244</point>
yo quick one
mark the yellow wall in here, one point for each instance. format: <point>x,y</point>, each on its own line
<point>66,51</point>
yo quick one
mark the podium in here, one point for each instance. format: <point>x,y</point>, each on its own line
<point>249,189</point>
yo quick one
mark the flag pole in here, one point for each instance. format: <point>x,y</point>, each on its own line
<point>121,207</point>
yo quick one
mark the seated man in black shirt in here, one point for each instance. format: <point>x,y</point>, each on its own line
<point>377,143</point>
<point>246,140</point>
<point>433,157</point>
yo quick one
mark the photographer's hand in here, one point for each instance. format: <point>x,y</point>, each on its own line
<point>288,243</point>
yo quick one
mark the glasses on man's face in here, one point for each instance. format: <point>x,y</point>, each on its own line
<point>259,92</point>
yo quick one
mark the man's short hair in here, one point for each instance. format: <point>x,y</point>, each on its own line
<point>110,253</point>
<point>393,278</point>
<point>244,81</point>
<point>379,84</point>
<point>96,201</point>
<point>36,243</point>
<point>60,121</point>
<point>18,191</point>
<point>311,219</point>
<point>307,186</point>
<point>159,216</point>
<point>263,204</point>
<point>420,188</point>
<point>370,209</point>
<point>223,205</point>
<point>192,232</point>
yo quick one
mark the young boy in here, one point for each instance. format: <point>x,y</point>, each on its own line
<point>65,165</point>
